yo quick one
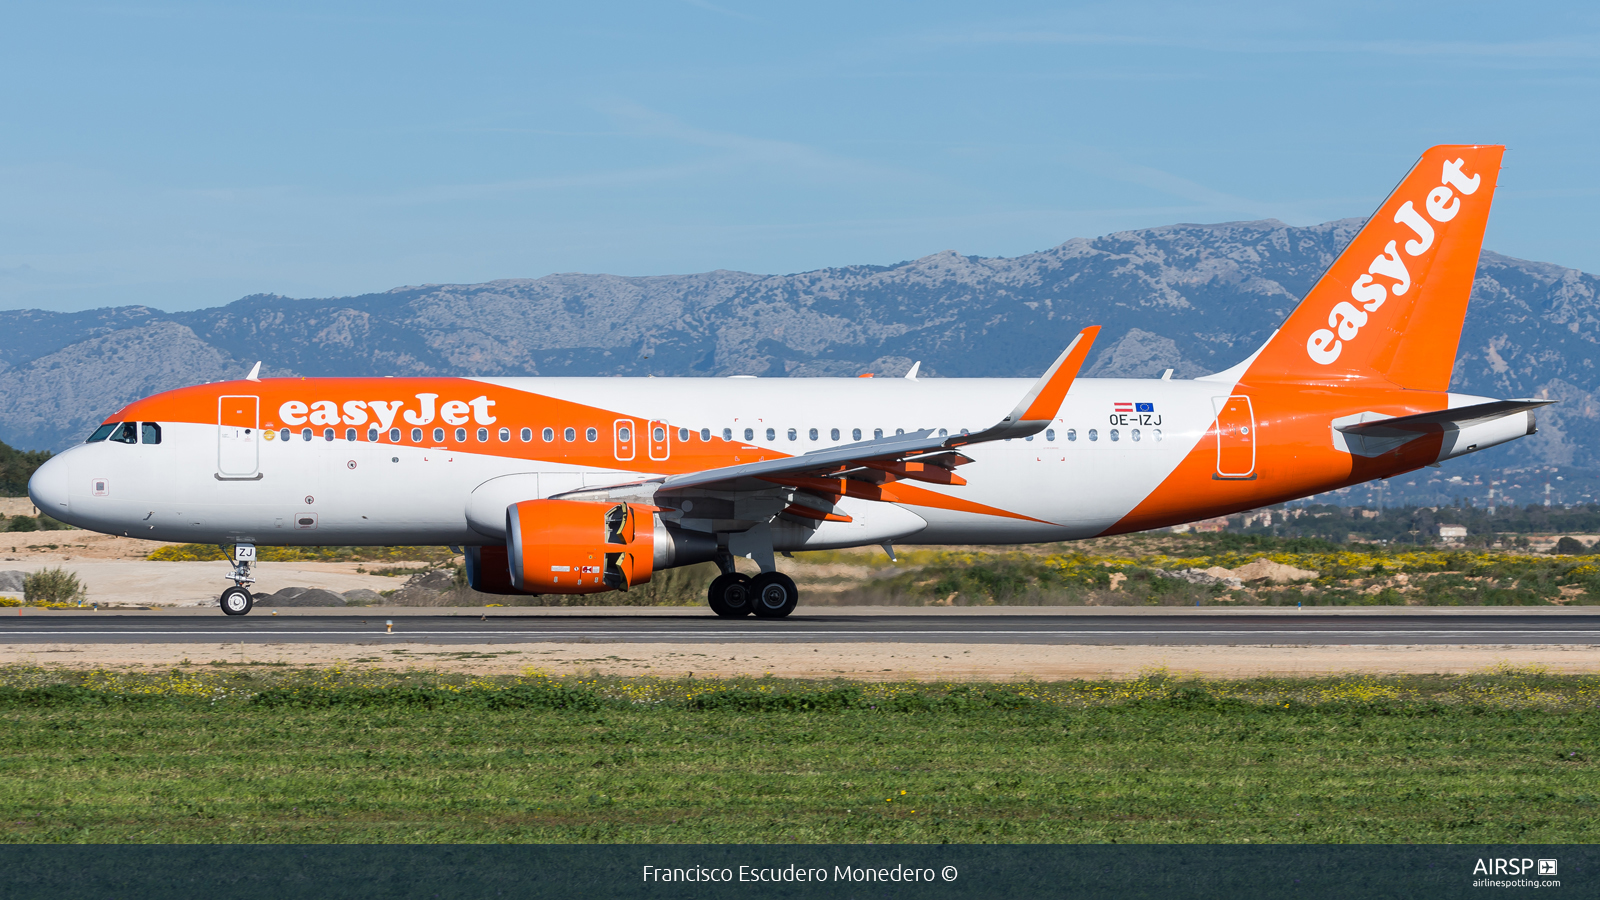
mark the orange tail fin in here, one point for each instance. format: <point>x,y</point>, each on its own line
<point>1390,307</point>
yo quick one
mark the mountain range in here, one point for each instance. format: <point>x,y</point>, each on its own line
<point>1192,298</point>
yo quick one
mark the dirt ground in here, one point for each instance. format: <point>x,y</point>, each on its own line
<point>114,569</point>
<point>871,662</point>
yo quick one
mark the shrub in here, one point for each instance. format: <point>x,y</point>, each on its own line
<point>52,586</point>
<point>23,523</point>
<point>1570,546</point>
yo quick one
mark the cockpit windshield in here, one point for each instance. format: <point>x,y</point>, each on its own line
<point>126,433</point>
<point>103,432</point>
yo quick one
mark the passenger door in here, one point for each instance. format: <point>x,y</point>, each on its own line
<point>1236,437</point>
<point>238,437</point>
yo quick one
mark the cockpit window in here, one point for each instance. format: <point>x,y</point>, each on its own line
<point>149,433</point>
<point>126,433</point>
<point>103,432</point>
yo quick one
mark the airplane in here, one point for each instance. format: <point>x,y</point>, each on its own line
<point>582,485</point>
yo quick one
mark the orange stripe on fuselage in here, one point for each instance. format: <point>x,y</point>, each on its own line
<point>513,409</point>
<point>1295,455</point>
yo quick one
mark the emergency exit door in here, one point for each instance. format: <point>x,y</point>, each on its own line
<point>238,437</point>
<point>660,440</point>
<point>1236,437</point>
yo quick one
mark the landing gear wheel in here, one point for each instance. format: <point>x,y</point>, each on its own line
<point>236,601</point>
<point>773,594</point>
<point>730,595</point>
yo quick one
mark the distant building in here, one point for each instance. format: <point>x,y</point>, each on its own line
<point>1218,524</point>
<point>1452,532</point>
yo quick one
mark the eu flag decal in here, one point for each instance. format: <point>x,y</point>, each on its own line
<point>1145,407</point>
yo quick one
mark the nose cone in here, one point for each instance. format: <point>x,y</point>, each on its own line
<point>48,488</point>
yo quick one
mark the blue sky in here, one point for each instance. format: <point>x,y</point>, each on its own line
<point>181,156</point>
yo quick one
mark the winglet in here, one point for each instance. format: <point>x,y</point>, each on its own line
<point>912,375</point>
<point>1044,399</point>
<point>255,372</point>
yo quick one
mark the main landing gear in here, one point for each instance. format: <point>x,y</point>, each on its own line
<point>770,595</point>
<point>236,601</point>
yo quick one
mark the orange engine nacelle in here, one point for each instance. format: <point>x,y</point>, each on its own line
<point>578,547</point>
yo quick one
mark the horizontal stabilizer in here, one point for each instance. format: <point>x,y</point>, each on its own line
<point>1440,421</point>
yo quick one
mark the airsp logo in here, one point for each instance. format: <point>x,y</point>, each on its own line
<point>1347,318</point>
<point>1547,867</point>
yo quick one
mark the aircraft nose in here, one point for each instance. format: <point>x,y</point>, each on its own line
<point>48,487</point>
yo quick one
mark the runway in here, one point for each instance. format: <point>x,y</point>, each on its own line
<point>1305,629</point>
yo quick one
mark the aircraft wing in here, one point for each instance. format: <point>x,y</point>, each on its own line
<point>920,456</point>
<point>1442,420</point>
<point>857,469</point>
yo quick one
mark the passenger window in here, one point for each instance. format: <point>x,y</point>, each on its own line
<point>877,433</point>
<point>101,433</point>
<point>394,435</point>
<point>305,434</point>
<point>461,435</point>
<point>527,435</point>
<point>833,434</point>
<point>284,434</point>
<point>749,434</point>
<point>505,435</point>
<point>591,435</point>
<point>1134,434</point>
<point>327,434</point>
<point>1072,434</point>
<point>372,434</point>
<point>150,433</point>
<point>1156,433</point>
<point>483,435</point>
<point>899,431</point>
<point>569,434</point>
<point>126,433</point>
<point>1094,434</point>
<point>657,434</point>
<point>772,434</point>
<point>944,432</point>
<point>416,435</point>
<point>549,435</point>
<point>793,434</point>
<point>812,434</point>
<point>683,435</point>
<point>705,435</point>
<point>350,434</point>
<point>1028,438</point>
<point>855,434</point>
<point>438,435</point>
<point>1115,435</point>
<point>1050,435</point>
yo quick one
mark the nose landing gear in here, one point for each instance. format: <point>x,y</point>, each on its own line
<point>236,601</point>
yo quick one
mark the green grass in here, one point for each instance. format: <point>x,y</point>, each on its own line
<point>227,755</point>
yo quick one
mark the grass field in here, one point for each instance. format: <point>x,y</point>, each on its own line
<point>230,754</point>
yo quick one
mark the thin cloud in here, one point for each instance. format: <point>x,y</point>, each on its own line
<point>1111,166</point>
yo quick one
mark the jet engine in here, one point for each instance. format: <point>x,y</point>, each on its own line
<point>583,547</point>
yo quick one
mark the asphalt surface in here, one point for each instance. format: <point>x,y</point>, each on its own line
<point>1301,629</point>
